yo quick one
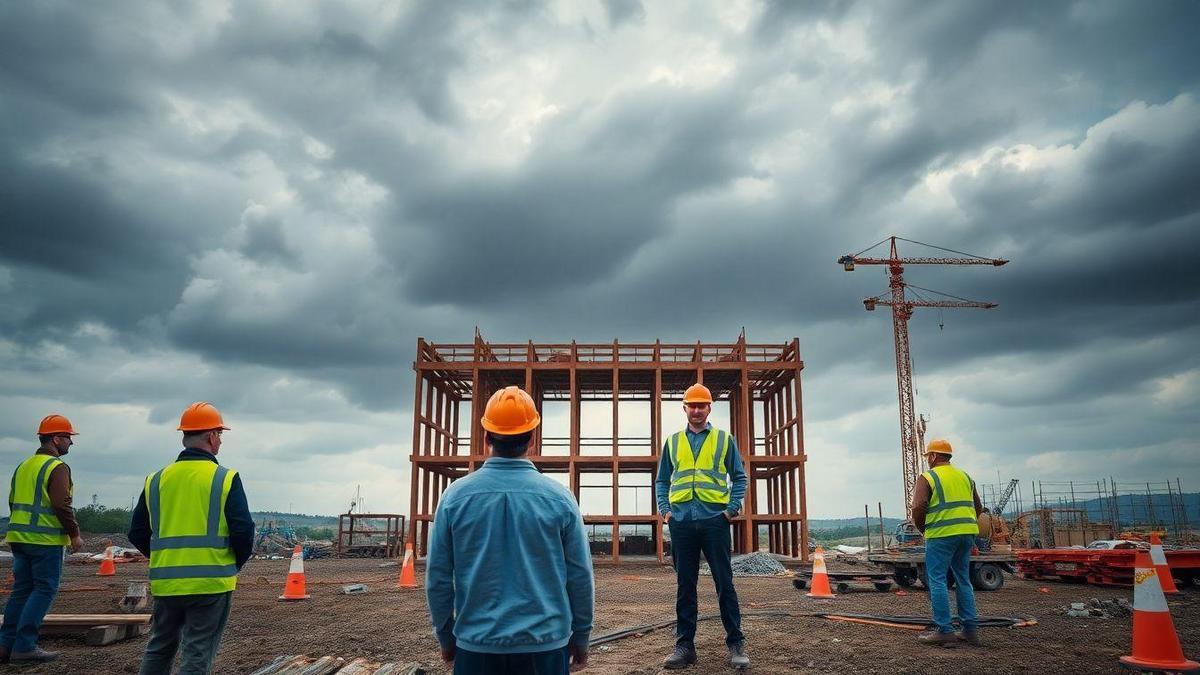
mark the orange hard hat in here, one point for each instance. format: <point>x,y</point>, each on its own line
<point>939,446</point>
<point>201,416</point>
<point>55,424</point>
<point>697,393</point>
<point>509,412</point>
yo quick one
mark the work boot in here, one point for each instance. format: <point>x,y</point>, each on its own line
<point>4,654</point>
<point>681,658</point>
<point>38,655</point>
<point>737,656</point>
<point>970,636</point>
<point>938,638</point>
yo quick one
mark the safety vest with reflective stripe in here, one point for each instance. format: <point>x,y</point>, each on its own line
<point>189,543</point>
<point>952,503</point>
<point>699,475</point>
<point>32,521</point>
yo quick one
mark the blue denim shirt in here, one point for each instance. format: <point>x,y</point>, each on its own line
<point>509,569</point>
<point>695,509</point>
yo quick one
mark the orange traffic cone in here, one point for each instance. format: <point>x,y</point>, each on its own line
<point>1155,642</point>
<point>294,589</point>
<point>820,578</point>
<point>107,568</point>
<point>1160,565</point>
<point>408,572</point>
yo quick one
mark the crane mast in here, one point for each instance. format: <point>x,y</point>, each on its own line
<point>902,310</point>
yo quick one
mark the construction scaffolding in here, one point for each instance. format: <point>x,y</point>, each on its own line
<point>606,453</point>
<point>1071,513</point>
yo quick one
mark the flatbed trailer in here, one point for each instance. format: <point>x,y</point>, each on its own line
<point>1102,567</point>
<point>841,580</point>
<point>909,567</point>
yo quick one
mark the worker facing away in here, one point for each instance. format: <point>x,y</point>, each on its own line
<point>699,491</point>
<point>41,523</point>
<point>193,522</point>
<point>509,575</point>
<point>946,508</point>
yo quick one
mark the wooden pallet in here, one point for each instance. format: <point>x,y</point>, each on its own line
<point>330,665</point>
<point>96,630</point>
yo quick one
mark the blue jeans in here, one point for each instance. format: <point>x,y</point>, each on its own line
<point>689,539</point>
<point>36,571</point>
<point>553,662</point>
<point>190,624</point>
<point>944,556</point>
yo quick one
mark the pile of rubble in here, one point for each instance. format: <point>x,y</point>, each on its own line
<point>1101,609</point>
<point>318,549</point>
<point>756,564</point>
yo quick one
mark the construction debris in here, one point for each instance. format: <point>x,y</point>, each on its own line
<point>756,564</point>
<point>96,629</point>
<point>354,589</point>
<point>274,539</point>
<point>329,665</point>
<point>1118,608</point>
<point>136,598</point>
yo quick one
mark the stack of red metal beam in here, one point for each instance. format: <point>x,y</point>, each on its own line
<point>1099,566</point>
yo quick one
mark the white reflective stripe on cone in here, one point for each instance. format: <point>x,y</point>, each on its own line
<point>297,564</point>
<point>408,554</point>
<point>819,563</point>
<point>1147,593</point>
<point>1157,556</point>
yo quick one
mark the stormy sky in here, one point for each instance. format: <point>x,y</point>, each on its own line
<point>263,205</point>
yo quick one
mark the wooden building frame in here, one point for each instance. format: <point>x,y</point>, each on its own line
<point>759,382</point>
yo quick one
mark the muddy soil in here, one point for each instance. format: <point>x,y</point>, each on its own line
<point>389,624</point>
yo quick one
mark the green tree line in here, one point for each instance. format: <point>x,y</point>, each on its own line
<point>100,519</point>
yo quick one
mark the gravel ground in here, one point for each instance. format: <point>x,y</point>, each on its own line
<point>389,624</point>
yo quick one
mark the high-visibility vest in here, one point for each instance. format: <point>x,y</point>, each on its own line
<point>31,520</point>
<point>700,475</point>
<point>189,543</point>
<point>952,503</point>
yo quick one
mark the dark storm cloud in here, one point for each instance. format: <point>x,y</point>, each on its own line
<point>624,11</point>
<point>583,207</point>
<point>267,207</point>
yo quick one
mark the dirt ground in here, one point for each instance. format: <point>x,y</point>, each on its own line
<point>389,624</point>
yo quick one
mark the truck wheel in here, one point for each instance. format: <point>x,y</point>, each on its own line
<point>842,587</point>
<point>800,584</point>
<point>905,578</point>
<point>883,586</point>
<point>987,577</point>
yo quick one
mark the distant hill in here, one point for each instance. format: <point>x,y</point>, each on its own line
<point>1137,509</point>
<point>889,524</point>
<point>294,519</point>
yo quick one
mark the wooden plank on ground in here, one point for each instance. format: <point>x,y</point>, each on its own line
<point>359,666</point>
<point>93,619</point>
<point>323,666</point>
<point>280,663</point>
<point>98,636</point>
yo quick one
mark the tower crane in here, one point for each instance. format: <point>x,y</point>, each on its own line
<point>902,310</point>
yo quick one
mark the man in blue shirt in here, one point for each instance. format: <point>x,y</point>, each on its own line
<point>699,490</point>
<point>509,574</point>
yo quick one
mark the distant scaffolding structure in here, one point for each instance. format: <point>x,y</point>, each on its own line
<point>1067,513</point>
<point>588,393</point>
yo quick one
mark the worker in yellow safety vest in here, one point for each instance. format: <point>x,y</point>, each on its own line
<point>699,491</point>
<point>194,524</point>
<point>946,508</point>
<point>40,524</point>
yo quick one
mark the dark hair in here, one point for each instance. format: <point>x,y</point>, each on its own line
<point>509,446</point>
<point>193,439</point>
<point>45,438</point>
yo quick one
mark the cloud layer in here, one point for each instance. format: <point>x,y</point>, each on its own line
<point>265,205</point>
